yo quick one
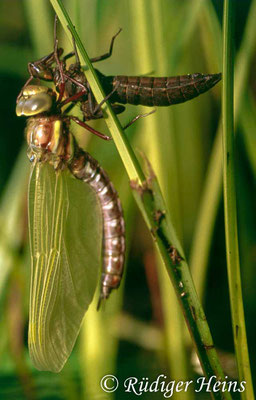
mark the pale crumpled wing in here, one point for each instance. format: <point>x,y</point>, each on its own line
<point>65,241</point>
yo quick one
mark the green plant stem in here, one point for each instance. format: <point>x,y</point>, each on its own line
<point>211,196</point>
<point>233,263</point>
<point>149,199</point>
<point>248,124</point>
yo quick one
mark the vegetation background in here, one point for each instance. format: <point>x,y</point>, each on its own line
<point>141,332</point>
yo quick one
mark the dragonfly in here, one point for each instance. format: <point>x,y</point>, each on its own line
<point>67,220</point>
<point>73,87</point>
<point>69,192</point>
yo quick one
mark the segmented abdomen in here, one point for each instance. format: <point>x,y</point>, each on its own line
<point>150,91</point>
<point>86,168</point>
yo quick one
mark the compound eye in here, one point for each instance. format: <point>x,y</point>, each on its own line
<point>36,104</point>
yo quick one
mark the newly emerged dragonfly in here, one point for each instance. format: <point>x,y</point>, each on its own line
<point>73,87</point>
<point>66,227</point>
<point>65,264</point>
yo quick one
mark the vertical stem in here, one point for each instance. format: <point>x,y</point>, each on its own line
<point>233,263</point>
<point>211,194</point>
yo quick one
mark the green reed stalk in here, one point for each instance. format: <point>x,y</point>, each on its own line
<point>211,195</point>
<point>233,263</point>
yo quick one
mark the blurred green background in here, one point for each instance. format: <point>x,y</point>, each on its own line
<point>140,332</point>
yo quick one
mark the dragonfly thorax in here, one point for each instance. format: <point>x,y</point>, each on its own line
<point>49,139</point>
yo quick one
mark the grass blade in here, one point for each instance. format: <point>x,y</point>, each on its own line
<point>208,209</point>
<point>233,262</point>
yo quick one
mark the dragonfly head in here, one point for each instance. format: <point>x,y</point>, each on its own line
<point>35,100</point>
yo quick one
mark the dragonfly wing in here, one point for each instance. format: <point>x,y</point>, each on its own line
<point>65,239</point>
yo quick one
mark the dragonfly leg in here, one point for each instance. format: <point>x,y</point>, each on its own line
<point>103,57</point>
<point>91,103</point>
<point>138,117</point>
<point>89,128</point>
<point>84,89</point>
<point>75,49</point>
<point>58,62</point>
<point>76,96</point>
<point>72,98</point>
<point>98,106</point>
<point>88,115</point>
<point>94,59</point>
<point>109,53</point>
<point>69,55</point>
<point>77,64</point>
<point>74,52</point>
<point>94,111</point>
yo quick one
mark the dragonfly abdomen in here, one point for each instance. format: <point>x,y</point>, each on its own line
<point>84,167</point>
<point>165,91</point>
